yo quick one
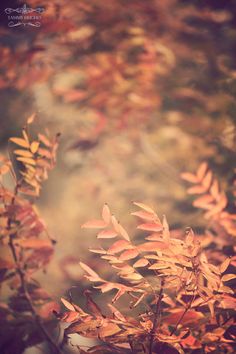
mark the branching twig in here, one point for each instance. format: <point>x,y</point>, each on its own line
<point>156,316</point>
<point>183,314</point>
<point>23,283</point>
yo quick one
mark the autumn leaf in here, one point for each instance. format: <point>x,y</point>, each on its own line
<point>34,243</point>
<point>34,147</point>
<point>189,177</point>
<point>118,246</point>
<point>92,276</point>
<point>224,265</point>
<point>202,170</point>
<point>107,234</point>
<point>129,254</point>
<point>67,304</point>
<point>94,224</point>
<point>31,118</point>
<point>144,207</point>
<point>150,227</point>
<point>20,142</point>
<point>228,277</point>
<point>141,263</point>
<point>24,153</point>
<point>144,215</point>
<point>106,214</point>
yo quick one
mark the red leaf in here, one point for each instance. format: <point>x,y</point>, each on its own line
<point>190,317</point>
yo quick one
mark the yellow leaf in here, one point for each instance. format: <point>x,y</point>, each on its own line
<point>31,118</point>
<point>25,136</point>
<point>34,146</point>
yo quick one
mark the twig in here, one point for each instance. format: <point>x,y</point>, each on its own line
<point>156,317</point>
<point>21,274</point>
<point>182,316</point>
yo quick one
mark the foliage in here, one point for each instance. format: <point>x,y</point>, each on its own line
<point>25,244</point>
<point>180,294</point>
<point>179,301</point>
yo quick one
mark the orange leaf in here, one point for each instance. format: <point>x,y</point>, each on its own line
<point>225,265</point>
<point>107,234</point>
<point>108,330</point>
<point>31,118</point>
<point>207,180</point>
<point>70,316</point>
<point>26,160</point>
<point>118,246</point>
<point>203,202</point>
<point>150,227</point>
<point>215,189</point>
<point>196,190</point>
<point>24,153</point>
<point>228,277</point>
<point>190,317</point>
<point>123,233</point>
<point>141,263</point>
<point>129,254</point>
<point>202,170</point>
<point>166,231</point>
<point>44,140</point>
<point>94,224</point>
<point>106,214</point>
<point>189,177</point>
<point>144,215</point>
<point>34,243</point>
<point>145,207</point>
<point>152,246</point>
<point>67,304</point>
<point>92,275</point>
<point>20,142</point>
<point>98,250</point>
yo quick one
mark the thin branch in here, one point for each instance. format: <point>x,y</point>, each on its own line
<point>156,316</point>
<point>21,274</point>
<point>182,316</point>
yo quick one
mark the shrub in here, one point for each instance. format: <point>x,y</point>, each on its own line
<point>179,301</point>
<point>174,289</point>
<point>26,316</point>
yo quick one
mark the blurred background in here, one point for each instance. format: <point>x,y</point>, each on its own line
<point>140,91</point>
